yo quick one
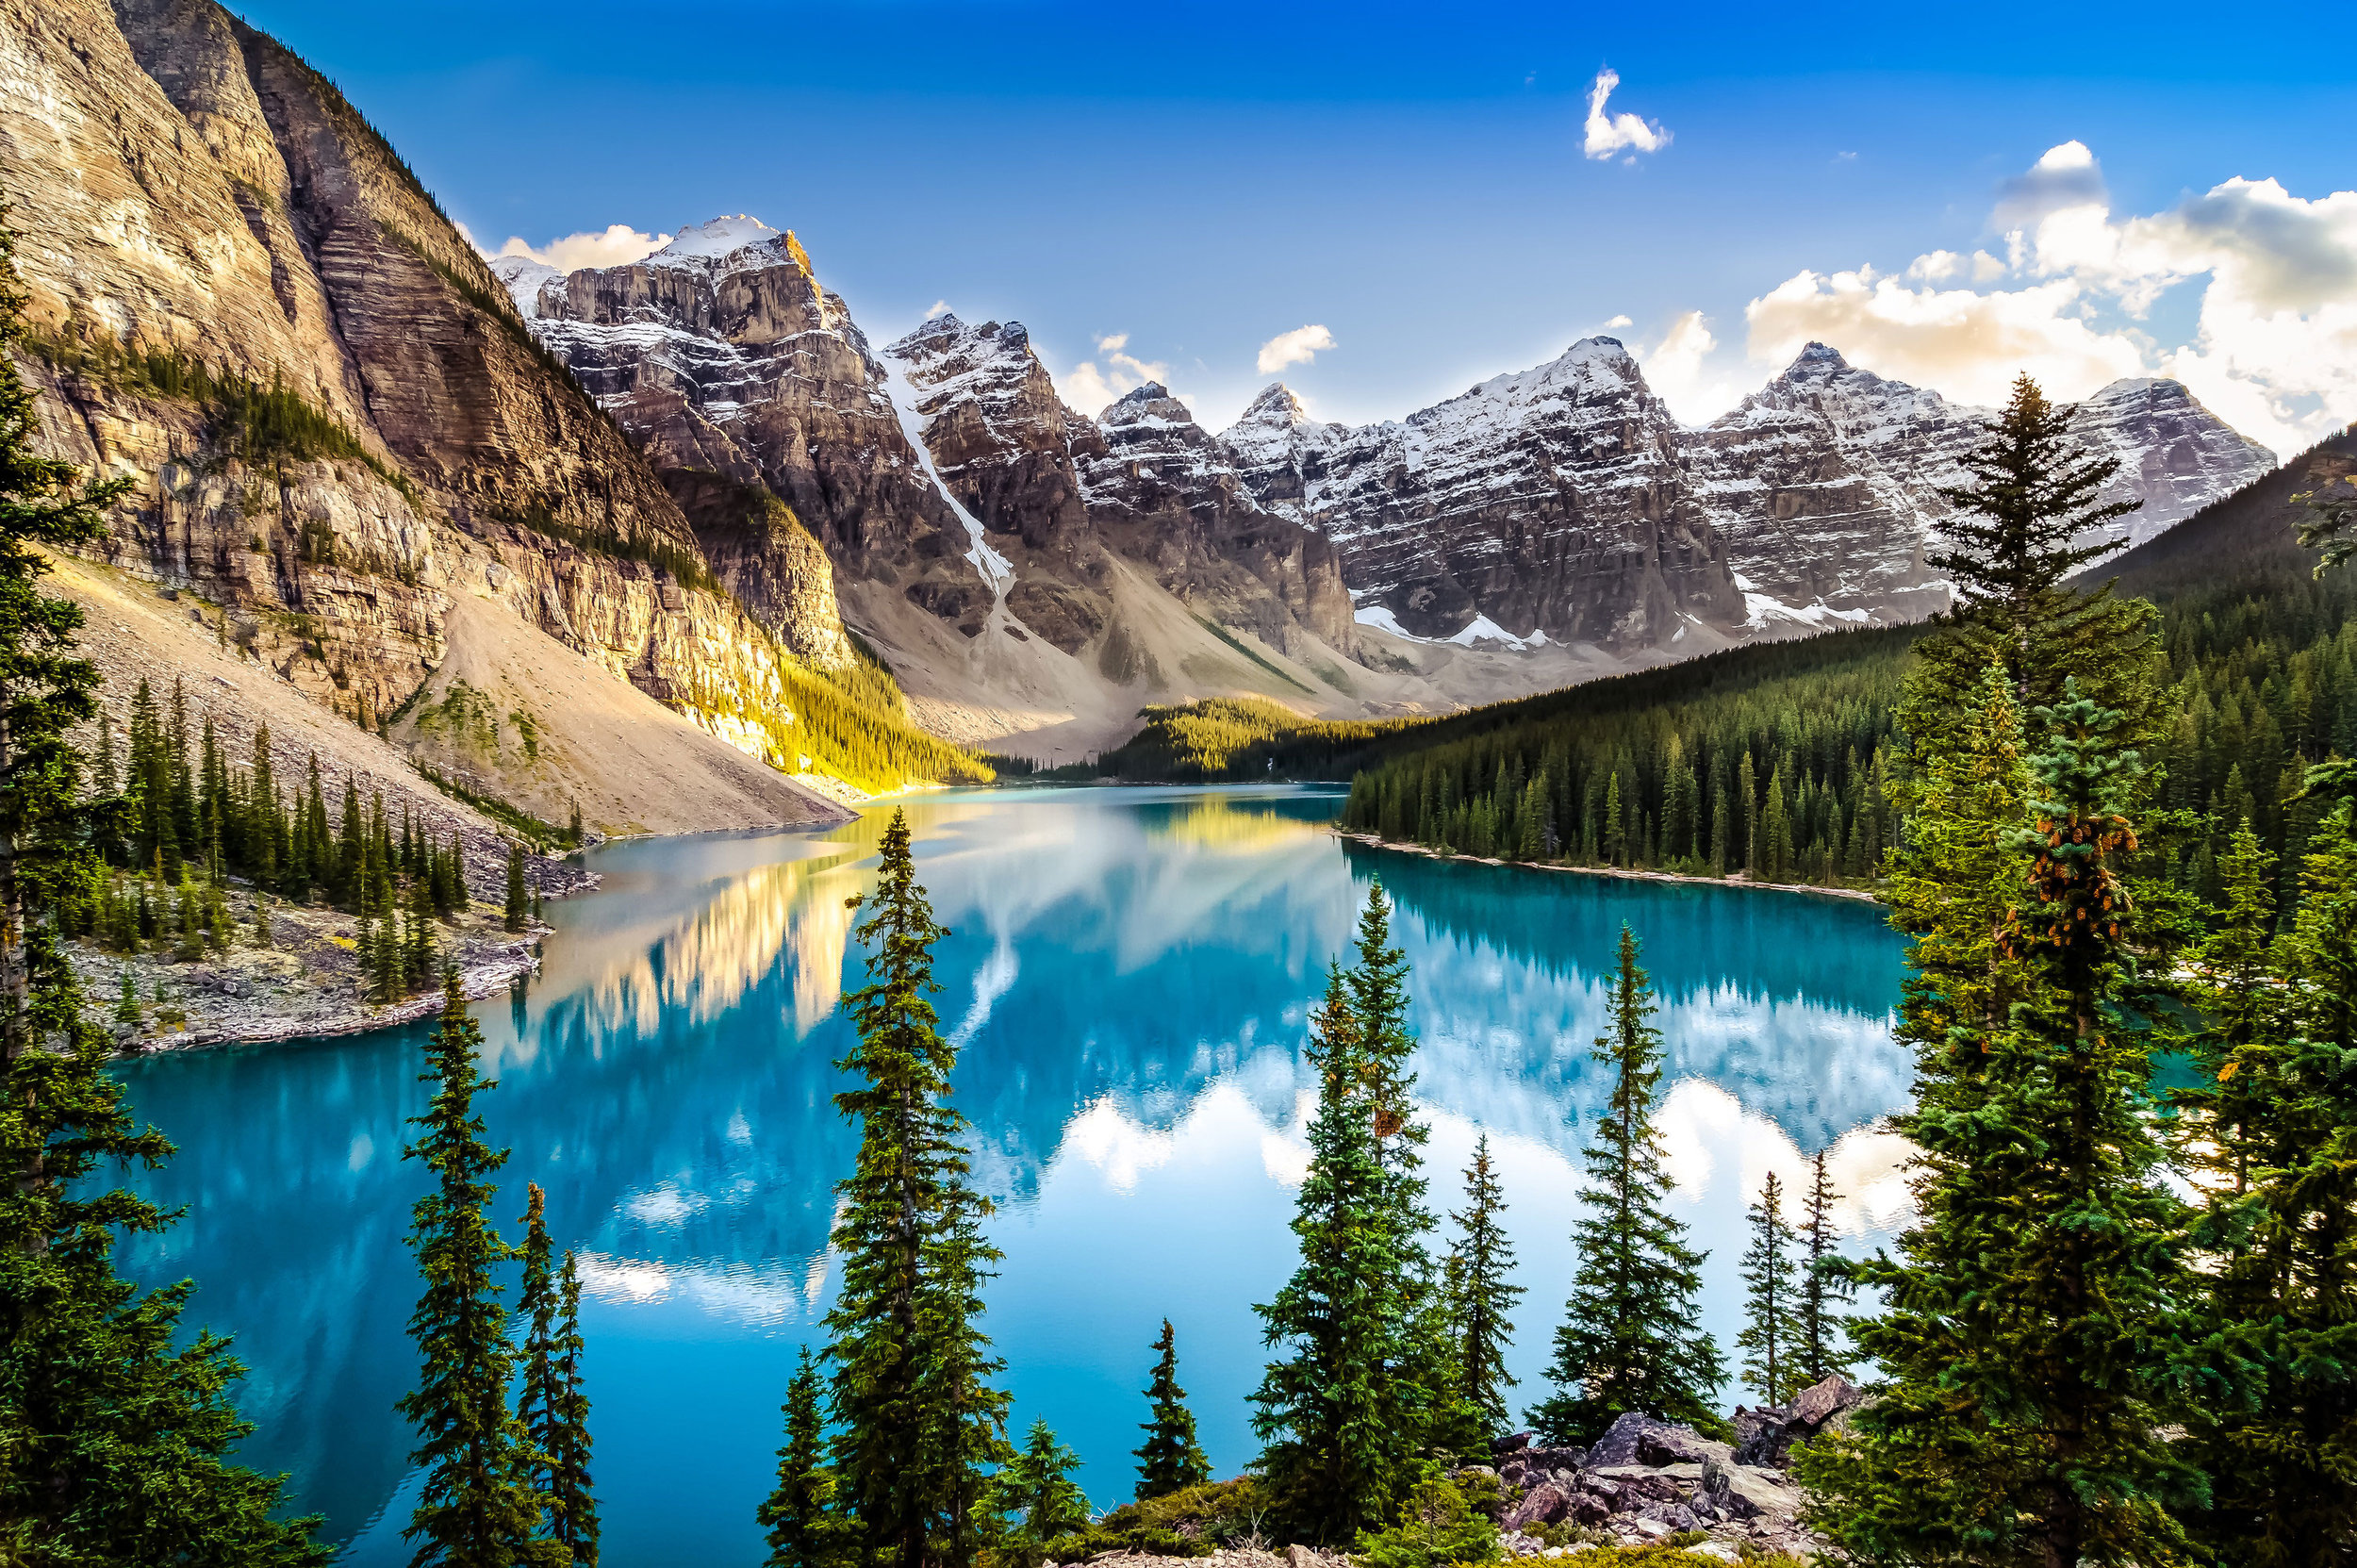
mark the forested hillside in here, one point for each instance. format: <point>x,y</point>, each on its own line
<point>1771,761</point>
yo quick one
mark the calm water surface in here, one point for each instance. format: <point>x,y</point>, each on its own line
<point>1128,979</point>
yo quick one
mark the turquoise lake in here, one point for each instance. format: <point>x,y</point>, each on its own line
<point>1128,978</point>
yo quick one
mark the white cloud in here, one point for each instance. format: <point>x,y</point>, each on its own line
<point>1298,347</point>
<point>1968,345</point>
<point>1617,323</point>
<point>616,245</point>
<point>1609,134</point>
<point>2274,347</point>
<point>1089,387</point>
<point>1678,372</point>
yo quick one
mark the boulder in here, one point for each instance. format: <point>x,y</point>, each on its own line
<point>1636,1439</point>
<point>1514,1444</point>
<point>1546,1504</point>
<point>1814,1405</point>
<point>1766,1436</point>
<point>1751,1495</point>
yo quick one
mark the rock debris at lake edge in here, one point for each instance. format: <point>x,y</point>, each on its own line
<point>1643,1482</point>
<point>309,982</point>
<point>1624,872</point>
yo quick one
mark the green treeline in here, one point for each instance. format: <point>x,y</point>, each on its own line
<point>1789,778</point>
<point>264,426</point>
<point>182,820</point>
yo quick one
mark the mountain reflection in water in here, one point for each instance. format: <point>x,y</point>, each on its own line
<point>1127,977</point>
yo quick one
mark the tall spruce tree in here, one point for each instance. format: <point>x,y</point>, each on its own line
<point>1771,1329</point>
<point>2026,1323</point>
<point>1818,1352</point>
<point>918,1424</point>
<point>1336,1453</point>
<point>549,1402</point>
<point>519,908</point>
<point>565,1442</point>
<point>1632,1336</point>
<point>1477,1283</point>
<point>2012,552</point>
<point>477,1507</point>
<point>1169,1459</point>
<point>804,1529</point>
<point>114,1437</point>
<point>1379,1000</point>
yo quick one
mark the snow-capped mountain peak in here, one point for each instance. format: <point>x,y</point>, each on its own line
<point>717,237</point>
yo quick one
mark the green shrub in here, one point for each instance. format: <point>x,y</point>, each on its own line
<point>1437,1528</point>
<point>1216,1514</point>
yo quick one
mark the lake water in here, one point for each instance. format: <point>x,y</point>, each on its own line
<point>1127,977</point>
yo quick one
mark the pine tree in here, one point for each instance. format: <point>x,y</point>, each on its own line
<point>1036,1485</point>
<point>1771,1327</point>
<point>1378,983</point>
<point>517,907</point>
<point>418,959</point>
<point>549,1403</point>
<point>573,1505</point>
<point>804,1529</point>
<point>1631,1337</point>
<point>1818,1351</point>
<point>918,1423</point>
<point>1169,1459</point>
<point>1337,1450</point>
<point>477,1507</point>
<point>2011,553</point>
<point>115,1436</point>
<point>1479,1289</point>
<point>2025,1320</point>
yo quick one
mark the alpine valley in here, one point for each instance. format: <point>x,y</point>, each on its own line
<point>602,537</point>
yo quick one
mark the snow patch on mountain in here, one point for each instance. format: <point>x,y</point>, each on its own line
<point>523,278</point>
<point>713,239</point>
<point>994,567</point>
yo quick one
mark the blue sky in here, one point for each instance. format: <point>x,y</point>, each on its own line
<point>1201,179</point>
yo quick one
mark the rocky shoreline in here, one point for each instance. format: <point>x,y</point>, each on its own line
<point>308,982</point>
<point>1372,842</point>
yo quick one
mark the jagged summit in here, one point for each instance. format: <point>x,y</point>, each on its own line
<point>1151,402</point>
<point>1276,403</point>
<point>718,237</point>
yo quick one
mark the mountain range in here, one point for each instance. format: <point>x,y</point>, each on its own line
<point>698,478</point>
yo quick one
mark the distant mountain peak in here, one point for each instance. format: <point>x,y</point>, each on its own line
<point>718,237</point>
<point>1275,405</point>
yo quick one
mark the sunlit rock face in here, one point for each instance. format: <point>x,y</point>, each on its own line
<point>189,190</point>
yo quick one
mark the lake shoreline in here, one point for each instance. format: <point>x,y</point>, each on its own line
<point>309,982</point>
<point>1857,895</point>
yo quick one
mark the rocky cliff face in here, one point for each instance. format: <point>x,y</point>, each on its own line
<point>206,217</point>
<point>722,353</point>
<point>1553,502</point>
<point>2175,456</point>
<point>1167,493</point>
<point>1565,501</point>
